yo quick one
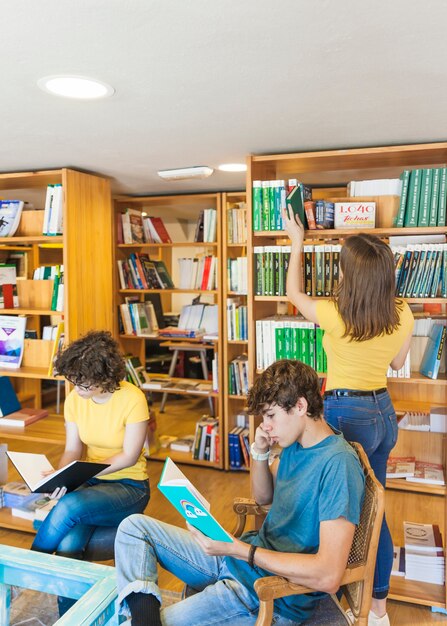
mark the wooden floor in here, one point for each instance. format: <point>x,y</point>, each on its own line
<point>219,488</point>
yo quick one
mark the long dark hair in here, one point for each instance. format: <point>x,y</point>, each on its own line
<point>365,297</point>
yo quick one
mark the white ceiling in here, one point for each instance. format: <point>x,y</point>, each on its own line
<point>201,82</point>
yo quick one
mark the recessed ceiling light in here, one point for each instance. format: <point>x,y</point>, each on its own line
<point>183,173</point>
<point>233,167</point>
<point>78,87</point>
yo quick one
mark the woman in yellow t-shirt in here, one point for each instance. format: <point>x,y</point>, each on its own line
<point>106,421</point>
<point>367,330</point>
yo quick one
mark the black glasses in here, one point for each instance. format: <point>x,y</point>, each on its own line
<point>78,385</point>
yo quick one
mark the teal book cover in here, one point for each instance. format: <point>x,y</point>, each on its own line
<point>182,494</point>
<point>433,352</point>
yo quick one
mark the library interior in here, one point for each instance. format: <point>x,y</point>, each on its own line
<point>191,260</point>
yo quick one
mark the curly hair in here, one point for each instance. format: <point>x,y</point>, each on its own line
<point>283,383</point>
<point>94,359</point>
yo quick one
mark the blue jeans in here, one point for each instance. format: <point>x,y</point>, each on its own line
<point>142,542</point>
<point>370,421</point>
<point>69,526</point>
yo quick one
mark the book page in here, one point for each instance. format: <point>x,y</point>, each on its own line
<point>30,467</point>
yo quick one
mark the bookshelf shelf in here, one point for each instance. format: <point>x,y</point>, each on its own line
<point>20,311</point>
<point>37,239</point>
<point>328,174</point>
<point>180,216</point>
<point>181,457</point>
<point>238,342</point>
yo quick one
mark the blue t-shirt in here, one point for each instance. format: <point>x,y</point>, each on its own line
<point>313,485</point>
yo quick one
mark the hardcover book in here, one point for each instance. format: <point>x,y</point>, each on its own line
<point>30,467</point>
<point>431,360</point>
<point>189,502</point>
<point>422,537</point>
<point>23,417</point>
<point>428,473</point>
<point>8,286</point>
<point>400,467</point>
<point>8,398</point>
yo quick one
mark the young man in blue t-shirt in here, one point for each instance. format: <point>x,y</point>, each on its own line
<point>315,490</point>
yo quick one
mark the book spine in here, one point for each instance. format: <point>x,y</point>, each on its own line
<point>411,215</point>
<point>426,191</point>
<point>405,177</point>
<point>434,200</point>
<point>442,197</point>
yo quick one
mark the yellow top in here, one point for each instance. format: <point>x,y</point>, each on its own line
<point>360,365</point>
<point>101,426</point>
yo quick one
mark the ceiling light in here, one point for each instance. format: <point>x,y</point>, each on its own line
<point>78,87</point>
<point>197,171</point>
<point>233,167</point>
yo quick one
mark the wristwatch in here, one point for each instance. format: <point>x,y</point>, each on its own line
<point>258,456</point>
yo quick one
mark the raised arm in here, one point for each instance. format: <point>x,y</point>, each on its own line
<point>304,303</point>
<point>134,437</point>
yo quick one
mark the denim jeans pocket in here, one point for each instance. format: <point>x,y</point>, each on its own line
<point>357,421</point>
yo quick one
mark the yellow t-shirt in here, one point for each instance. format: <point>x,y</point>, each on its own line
<point>359,364</point>
<point>101,427</point>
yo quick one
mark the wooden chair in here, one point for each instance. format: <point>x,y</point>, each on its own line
<point>357,581</point>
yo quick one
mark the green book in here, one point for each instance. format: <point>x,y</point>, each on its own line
<point>405,177</point>
<point>442,196</point>
<point>319,357</point>
<point>272,216</point>
<point>258,253</point>
<point>55,291</point>
<point>425,199</point>
<point>279,341</point>
<point>257,205</point>
<point>434,200</point>
<point>414,193</point>
<point>265,219</point>
<point>295,204</point>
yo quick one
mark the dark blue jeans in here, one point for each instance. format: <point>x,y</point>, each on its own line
<point>370,421</point>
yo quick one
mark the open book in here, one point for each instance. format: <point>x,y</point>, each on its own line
<point>189,502</point>
<point>30,467</point>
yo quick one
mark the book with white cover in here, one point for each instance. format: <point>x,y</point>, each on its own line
<point>10,213</point>
<point>12,340</point>
<point>30,467</point>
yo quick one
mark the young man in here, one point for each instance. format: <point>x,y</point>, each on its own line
<point>315,492</point>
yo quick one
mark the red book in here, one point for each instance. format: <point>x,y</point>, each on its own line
<point>8,296</point>
<point>157,223</point>
<point>23,417</point>
<point>206,273</point>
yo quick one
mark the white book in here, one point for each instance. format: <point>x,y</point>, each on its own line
<point>47,211</point>
<point>12,340</point>
<point>30,467</point>
<point>422,537</point>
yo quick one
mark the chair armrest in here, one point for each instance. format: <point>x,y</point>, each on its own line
<point>272,587</point>
<point>243,507</point>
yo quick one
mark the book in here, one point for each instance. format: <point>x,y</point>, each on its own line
<point>58,343</point>
<point>30,467</point>
<point>400,467</point>
<point>433,352</point>
<point>189,502</point>
<point>295,203</point>
<point>160,228</point>
<point>10,213</point>
<point>9,401</point>
<point>428,473</point>
<point>34,507</point>
<point>183,444</point>
<point>8,286</point>
<point>12,340</point>
<point>23,417</point>
<point>398,561</point>
<point>422,537</point>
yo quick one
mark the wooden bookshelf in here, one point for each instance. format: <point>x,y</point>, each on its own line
<point>328,173</point>
<point>179,214</point>
<point>232,348</point>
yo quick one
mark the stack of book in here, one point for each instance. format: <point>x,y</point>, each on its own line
<point>423,198</point>
<point>415,420</point>
<point>377,187</point>
<point>424,554</point>
<point>237,223</point>
<point>415,471</point>
<point>398,561</point>
<point>183,444</point>
<point>138,271</point>
<point>134,227</point>
<point>400,467</point>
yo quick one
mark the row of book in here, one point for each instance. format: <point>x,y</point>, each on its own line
<point>206,439</point>
<point>421,270</point>
<point>435,421</point>
<point>237,325</point>
<point>9,298</point>
<point>139,271</point>
<point>414,471</point>
<point>376,187</point>
<point>137,318</point>
<point>270,199</point>
<point>237,223</point>
<point>270,270</point>
<point>200,316</point>
<point>237,273</point>
<point>53,217</point>
<point>285,337</point>
<point>424,197</point>
<point>133,226</point>
<point>238,376</point>
<point>10,214</point>
<point>198,272</point>
<point>239,447</point>
<point>404,371</point>
<point>422,559</point>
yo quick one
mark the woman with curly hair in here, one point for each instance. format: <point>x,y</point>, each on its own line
<point>106,421</point>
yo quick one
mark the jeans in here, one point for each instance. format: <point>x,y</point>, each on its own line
<point>370,421</point>
<point>68,527</point>
<point>142,542</point>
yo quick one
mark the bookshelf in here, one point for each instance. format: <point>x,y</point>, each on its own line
<point>179,214</point>
<point>328,173</point>
<point>235,343</point>
<point>88,286</point>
